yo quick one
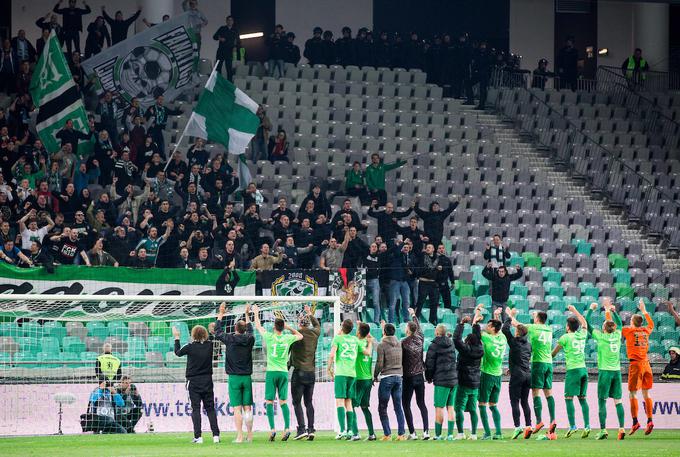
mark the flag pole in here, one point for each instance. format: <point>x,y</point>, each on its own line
<point>181,137</point>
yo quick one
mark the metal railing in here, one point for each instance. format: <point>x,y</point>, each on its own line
<point>653,81</point>
<point>626,93</point>
<point>611,175</point>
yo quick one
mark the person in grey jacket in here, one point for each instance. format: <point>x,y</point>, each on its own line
<point>389,371</point>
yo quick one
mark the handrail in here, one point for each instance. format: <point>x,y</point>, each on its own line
<point>624,92</point>
<point>577,135</point>
<point>661,81</point>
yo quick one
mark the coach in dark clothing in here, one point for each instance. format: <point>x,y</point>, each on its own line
<point>303,360</point>
<point>445,277</point>
<point>199,354</point>
<point>414,382</point>
<point>470,353</point>
<point>520,371</point>
<point>500,281</point>
<point>120,26</point>
<point>72,23</point>
<point>433,220</point>
<point>228,38</point>
<point>313,48</point>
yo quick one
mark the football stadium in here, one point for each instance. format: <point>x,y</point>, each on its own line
<point>297,227</point>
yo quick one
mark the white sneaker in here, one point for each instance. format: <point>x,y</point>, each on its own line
<point>473,437</point>
<point>413,436</point>
<point>198,440</point>
<point>460,436</point>
<point>426,435</point>
<point>216,439</point>
<point>341,436</point>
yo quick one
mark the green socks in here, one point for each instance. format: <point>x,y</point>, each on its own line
<point>620,414</point>
<point>437,429</point>
<point>369,420</point>
<point>538,408</point>
<point>585,409</point>
<point>474,421</point>
<point>449,428</point>
<point>571,412</point>
<point>286,416</point>
<point>496,419</point>
<point>602,412</point>
<point>341,418</point>
<point>551,407</point>
<point>351,422</point>
<point>485,420</point>
<point>270,415</point>
<point>460,418</point>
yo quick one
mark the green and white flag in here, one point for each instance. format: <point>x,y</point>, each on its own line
<point>225,114</point>
<point>56,95</point>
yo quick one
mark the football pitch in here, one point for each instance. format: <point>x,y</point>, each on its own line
<point>665,443</point>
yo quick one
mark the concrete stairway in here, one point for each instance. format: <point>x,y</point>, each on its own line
<point>504,132</point>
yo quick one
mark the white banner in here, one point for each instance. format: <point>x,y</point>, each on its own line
<point>30,409</point>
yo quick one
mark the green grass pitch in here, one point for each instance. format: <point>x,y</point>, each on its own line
<point>664,443</point>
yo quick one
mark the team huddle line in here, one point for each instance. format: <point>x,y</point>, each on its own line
<point>466,373</point>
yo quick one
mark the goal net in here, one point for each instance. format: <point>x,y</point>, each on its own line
<point>49,346</point>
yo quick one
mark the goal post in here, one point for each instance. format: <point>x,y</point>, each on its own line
<point>49,345</point>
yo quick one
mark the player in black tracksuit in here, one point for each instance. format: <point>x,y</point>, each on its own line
<point>520,374</point>
<point>238,364</point>
<point>199,354</point>
<point>470,353</point>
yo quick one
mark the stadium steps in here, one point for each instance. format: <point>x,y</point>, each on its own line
<point>505,132</point>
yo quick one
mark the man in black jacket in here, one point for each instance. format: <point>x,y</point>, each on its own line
<point>228,38</point>
<point>199,354</point>
<point>238,363</point>
<point>444,275</point>
<point>73,23</point>
<point>387,219</point>
<point>427,282</point>
<point>440,369</point>
<point>500,281</point>
<point>313,47</point>
<point>470,353</point>
<point>120,26</point>
<point>291,51</point>
<point>412,360</point>
<point>520,374</point>
<point>433,220</point>
<point>345,48</point>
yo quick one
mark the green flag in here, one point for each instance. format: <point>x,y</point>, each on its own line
<point>56,95</point>
<point>226,115</point>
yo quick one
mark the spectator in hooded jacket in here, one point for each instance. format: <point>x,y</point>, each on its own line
<point>500,281</point>
<point>414,382</point>
<point>470,353</point>
<point>97,34</point>
<point>520,373</point>
<point>344,48</point>
<point>433,220</point>
<point>328,53</point>
<point>440,370</point>
<point>291,51</point>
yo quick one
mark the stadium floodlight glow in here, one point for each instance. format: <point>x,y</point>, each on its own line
<point>603,51</point>
<point>246,36</point>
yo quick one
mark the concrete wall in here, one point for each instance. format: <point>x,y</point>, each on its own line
<point>532,31</point>
<point>615,31</point>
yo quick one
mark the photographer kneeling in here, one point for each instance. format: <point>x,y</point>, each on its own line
<point>100,417</point>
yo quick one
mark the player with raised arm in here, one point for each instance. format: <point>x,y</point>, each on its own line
<point>470,353</point>
<point>520,373</point>
<point>342,369</point>
<point>238,364</point>
<point>608,366</point>
<point>541,337</point>
<point>639,370</point>
<point>494,343</point>
<point>364,380</point>
<point>277,345</point>
<point>576,379</point>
